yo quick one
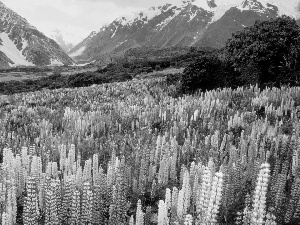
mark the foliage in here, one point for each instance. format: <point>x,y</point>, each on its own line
<point>267,54</point>
<point>272,47</point>
<point>207,73</point>
<point>148,59</point>
<point>57,80</point>
<point>128,152</point>
<point>88,154</point>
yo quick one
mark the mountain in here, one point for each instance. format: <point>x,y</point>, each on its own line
<point>168,25</point>
<point>65,39</point>
<point>21,44</point>
<point>207,23</point>
<point>80,48</point>
<point>236,19</point>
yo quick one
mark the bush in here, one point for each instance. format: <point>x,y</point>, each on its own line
<point>173,79</point>
<point>57,80</point>
<point>270,49</point>
<point>207,73</point>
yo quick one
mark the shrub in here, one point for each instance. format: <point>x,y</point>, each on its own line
<point>270,48</point>
<point>207,73</point>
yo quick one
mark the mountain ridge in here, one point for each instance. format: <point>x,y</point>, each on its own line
<point>65,39</point>
<point>21,44</point>
<point>191,23</point>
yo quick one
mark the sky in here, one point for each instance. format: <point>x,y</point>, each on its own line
<point>78,17</point>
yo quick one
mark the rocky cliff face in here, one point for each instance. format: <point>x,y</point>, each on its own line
<point>21,44</point>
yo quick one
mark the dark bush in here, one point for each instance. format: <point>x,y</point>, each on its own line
<point>173,79</point>
<point>59,81</point>
<point>270,49</point>
<point>207,73</point>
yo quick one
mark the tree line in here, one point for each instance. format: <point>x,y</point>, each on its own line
<point>267,54</point>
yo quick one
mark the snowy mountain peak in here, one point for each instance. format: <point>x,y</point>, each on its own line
<point>142,16</point>
<point>66,39</point>
<point>207,23</point>
<point>207,5</point>
<point>251,4</point>
<point>146,15</point>
<point>22,44</point>
<point>6,14</point>
<point>256,6</point>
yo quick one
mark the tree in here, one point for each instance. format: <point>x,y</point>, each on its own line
<point>210,71</point>
<point>273,47</point>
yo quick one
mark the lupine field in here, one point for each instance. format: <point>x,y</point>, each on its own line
<point>129,153</point>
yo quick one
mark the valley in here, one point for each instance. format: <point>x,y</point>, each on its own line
<point>184,113</point>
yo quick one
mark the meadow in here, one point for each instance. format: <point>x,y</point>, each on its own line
<point>130,153</point>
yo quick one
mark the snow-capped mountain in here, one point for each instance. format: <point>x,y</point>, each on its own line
<point>21,44</point>
<point>65,39</point>
<point>235,19</point>
<point>80,48</point>
<point>167,25</point>
<point>207,23</point>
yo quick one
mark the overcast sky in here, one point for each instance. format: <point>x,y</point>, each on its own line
<point>77,16</point>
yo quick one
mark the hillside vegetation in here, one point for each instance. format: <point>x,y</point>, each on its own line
<point>267,54</point>
<point>125,68</point>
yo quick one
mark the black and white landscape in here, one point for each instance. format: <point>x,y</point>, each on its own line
<point>178,113</point>
<point>190,23</point>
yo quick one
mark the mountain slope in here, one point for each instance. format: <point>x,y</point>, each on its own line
<point>22,44</point>
<point>65,39</point>
<point>168,25</point>
<point>207,23</point>
<point>236,19</point>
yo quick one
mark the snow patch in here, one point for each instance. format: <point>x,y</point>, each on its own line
<point>84,64</point>
<point>165,22</point>
<point>24,45</point>
<point>284,8</point>
<point>192,16</point>
<point>67,37</point>
<point>252,5</point>
<point>93,33</point>
<point>55,62</point>
<point>201,4</point>
<point>10,50</point>
<point>78,52</point>
<point>144,15</point>
<point>121,43</point>
<point>116,28</point>
<point>220,10</point>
